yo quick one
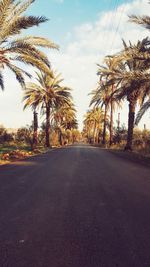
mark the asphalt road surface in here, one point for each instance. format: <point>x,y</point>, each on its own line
<point>78,206</point>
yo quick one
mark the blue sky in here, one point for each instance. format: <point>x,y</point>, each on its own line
<point>64,15</point>
<point>86,30</point>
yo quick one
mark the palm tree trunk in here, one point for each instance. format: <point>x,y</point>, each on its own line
<point>88,135</point>
<point>35,128</point>
<point>60,138</point>
<point>104,126</point>
<point>97,136</point>
<point>111,119</point>
<point>94,133</point>
<point>47,129</point>
<point>131,118</point>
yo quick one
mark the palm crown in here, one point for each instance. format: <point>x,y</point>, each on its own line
<point>23,49</point>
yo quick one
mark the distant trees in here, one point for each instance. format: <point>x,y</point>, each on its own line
<point>24,135</point>
<point>93,124</point>
<point>5,136</point>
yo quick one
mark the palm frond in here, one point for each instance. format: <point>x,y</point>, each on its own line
<point>24,22</point>
<point>23,48</point>
<point>144,21</point>
<point>1,81</point>
<point>33,62</point>
<point>18,73</point>
<point>21,7</point>
<point>142,111</point>
<point>5,6</point>
<point>38,41</point>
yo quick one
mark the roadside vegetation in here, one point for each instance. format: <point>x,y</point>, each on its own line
<point>48,96</point>
<point>124,77</point>
<point>19,144</point>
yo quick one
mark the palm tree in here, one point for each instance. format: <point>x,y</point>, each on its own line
<point>64,118</point>
<point>67,116</point>
<point>111,102</point>
<point>100,98</point>
<point>88,125</point>
<point>144,55</point>
<point>49,94</point>
<point>93,124</point>
<point>12,49</point>
<point>132,82</point>
<point>31,100</point>
<point>103,95</point>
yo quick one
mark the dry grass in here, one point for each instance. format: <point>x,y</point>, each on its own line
<point>12,152</point>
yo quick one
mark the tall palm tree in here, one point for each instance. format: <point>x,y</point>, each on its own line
<point>100,98</point>
<point>132,83</point>
<point>103,96</point>
<point>110,64</point>
<point>49,94</point>
<point>142,55</point>
<point>22,49</point>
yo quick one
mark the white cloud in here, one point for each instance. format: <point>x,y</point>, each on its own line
<point>92,41</point>
<point>77,62</point>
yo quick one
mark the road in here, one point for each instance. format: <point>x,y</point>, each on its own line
<point>77,206</point>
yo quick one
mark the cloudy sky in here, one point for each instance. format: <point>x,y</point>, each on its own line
<point>86,31</point>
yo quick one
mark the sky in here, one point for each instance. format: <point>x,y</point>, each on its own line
<point>86,32</point>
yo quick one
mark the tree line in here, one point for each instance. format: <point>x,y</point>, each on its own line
<point>123,76</point>
<point>47,94</point>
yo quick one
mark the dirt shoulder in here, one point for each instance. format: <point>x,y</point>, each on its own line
<point>131,156</point>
